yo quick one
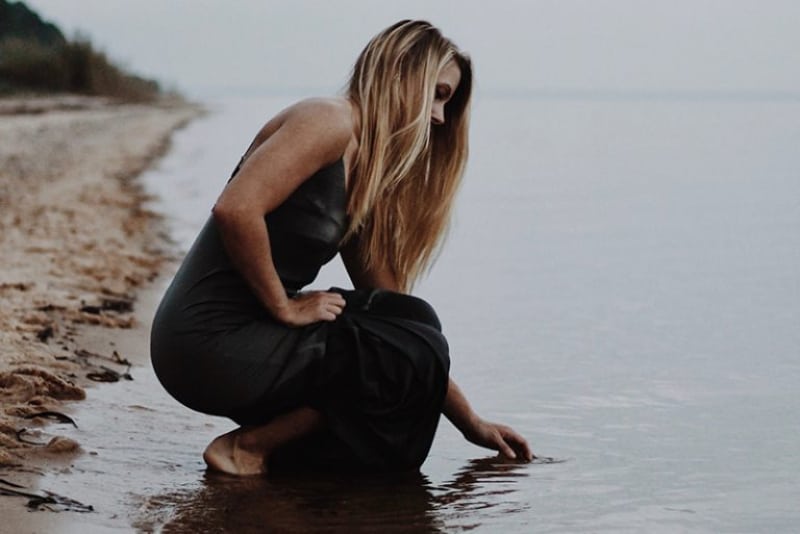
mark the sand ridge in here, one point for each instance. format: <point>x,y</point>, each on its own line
<point>76,244</point>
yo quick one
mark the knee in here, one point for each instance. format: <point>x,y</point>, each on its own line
<point>406,307</point>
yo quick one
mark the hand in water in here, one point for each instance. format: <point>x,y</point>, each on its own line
<point>500,438</point>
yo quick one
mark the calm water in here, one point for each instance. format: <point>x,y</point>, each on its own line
<point>621,284</point>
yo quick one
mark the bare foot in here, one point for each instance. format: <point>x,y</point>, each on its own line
<point>245,451</point>
<point>227,455</point>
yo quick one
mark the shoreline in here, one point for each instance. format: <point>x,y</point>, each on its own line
<point>80,261</point>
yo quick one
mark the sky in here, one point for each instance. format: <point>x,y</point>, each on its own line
<point>215,46</point>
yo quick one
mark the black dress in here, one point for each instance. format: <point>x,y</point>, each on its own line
<point>378,373</point>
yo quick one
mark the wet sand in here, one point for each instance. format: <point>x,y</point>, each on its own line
<point>77,248</point>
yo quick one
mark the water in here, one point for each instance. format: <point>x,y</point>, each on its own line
<point>621,285</point>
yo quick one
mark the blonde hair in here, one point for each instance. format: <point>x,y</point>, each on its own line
<point>406,172</point>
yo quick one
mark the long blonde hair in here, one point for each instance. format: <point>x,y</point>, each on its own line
<point>406,172</point>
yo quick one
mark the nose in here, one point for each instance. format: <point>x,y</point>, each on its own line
<point>437,113</point>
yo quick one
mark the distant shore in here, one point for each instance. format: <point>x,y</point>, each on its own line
<point>77,245</point>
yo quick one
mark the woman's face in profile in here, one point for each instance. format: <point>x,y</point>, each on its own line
<point>446,85</point>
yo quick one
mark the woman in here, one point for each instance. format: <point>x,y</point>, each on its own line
<point>331,379</point>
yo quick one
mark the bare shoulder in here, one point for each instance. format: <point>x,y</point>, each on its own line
<point>328,116</point>
<point>322,124</point>
<point>333,110</point>
<point>290,148</point>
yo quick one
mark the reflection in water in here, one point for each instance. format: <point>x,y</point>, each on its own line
<point>298,504</point>
<point>483,493</point>
<point>338,502</point>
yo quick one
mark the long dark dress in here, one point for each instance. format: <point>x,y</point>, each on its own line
<point>378,374</point>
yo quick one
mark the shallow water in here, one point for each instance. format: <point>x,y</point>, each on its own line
<point>621,284</point>
<point>142,468</point>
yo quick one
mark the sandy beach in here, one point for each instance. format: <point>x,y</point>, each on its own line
<point>77,247</point>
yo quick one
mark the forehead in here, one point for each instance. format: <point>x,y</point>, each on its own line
<point>450,74</point>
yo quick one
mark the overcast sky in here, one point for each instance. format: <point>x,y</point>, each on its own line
<point>214,46</point>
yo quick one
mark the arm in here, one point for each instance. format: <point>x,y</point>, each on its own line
<point>480,432</point>
<point>456,407</point>
<point>301,140</point>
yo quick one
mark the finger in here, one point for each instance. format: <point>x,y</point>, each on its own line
<point>328,303</point>
<point>336,302</point>
<point>505,449</point>
<point>328,316</point>
<point>332,305</point>
<point>524,450</point>
<point>332,295</point>
<point>335,308</point>
<point>519,444</point>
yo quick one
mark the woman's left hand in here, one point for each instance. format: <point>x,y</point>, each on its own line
<point>500,438</point>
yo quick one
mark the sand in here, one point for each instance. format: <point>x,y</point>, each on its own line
<point>76,248</point>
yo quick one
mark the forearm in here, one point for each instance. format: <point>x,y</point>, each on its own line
<point>480,432</point>
<point>246,240</point>
<point>457,409</point>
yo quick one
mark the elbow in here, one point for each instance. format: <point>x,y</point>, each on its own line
<point>229,207</point>
<point>236,211</point>
<point>220,213</point>
<point>235,219</point>
<point>227,215</point>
